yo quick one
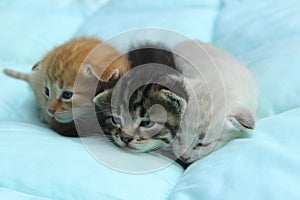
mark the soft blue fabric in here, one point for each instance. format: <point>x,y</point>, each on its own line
<point>244,25</point>
<point>30,28</point>
<point>14,195</point>
<point>12,107</point>
<point>263,166</point>
<point>276,69</point>
<point>265,35</point>
<point>37,161</point>
<point>193,18</point>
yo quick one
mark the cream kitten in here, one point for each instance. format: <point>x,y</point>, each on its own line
<point>53,78</point>
<point>222,100</point>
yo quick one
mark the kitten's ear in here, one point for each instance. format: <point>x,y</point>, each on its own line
<point>36,67</point>
<point>178,102</point>
<point>242,119</point>
<point>102,97</point>
<point>89,70</point>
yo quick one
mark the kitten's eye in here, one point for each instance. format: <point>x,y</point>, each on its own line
<point>197,146</point>
<point>116,121</point>
<point>147,123</point>
<point>47,91</point>
<point>67,95</point>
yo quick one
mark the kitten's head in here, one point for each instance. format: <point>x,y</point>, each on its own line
<point>59,71</point>
<point>191,146</point>
<point>152,121</point>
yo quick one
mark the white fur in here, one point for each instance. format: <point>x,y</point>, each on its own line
<point>219,88</point>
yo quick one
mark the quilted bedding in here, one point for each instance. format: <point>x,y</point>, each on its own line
<point>36,163</point>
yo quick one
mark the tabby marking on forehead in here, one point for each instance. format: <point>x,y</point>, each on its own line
<point>140,131</point>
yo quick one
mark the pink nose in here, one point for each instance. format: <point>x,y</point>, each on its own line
<point>185,157</point>
<point>52,111</point>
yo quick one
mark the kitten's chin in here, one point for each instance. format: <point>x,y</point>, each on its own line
<point>141,148</point>
<point>138,146</point>
<point>136,150</point>
<point>131,149</point>
<point>62,117</point>
<point>63,120</point>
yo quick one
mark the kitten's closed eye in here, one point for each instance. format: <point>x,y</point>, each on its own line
<point>198,145</point>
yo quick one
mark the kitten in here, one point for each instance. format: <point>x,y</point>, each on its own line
<point>144,127</point>
<point>222,100</point>
<point>53,78</point>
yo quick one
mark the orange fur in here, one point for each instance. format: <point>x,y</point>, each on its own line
<point>57,71</point>
<point>16,74</point>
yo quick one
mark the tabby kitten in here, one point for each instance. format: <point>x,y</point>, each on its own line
<point>148,119</point>
<point>53,78</point>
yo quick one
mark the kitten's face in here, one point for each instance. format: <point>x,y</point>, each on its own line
<point>60,68</point>
<point>192,145</point>
<point>58,101</point>
<point>146,128</point>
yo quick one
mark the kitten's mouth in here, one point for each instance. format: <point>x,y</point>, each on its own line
<point>134,147</point>
<point>62,117</point>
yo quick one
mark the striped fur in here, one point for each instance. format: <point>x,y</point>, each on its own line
<point>144,128</point>
<point>132,135</point>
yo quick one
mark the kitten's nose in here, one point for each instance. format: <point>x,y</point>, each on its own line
<point>52,111</point>
<point>185,157</point>
<point>126,138</point>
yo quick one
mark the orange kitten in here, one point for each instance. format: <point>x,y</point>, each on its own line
<point>53,78</point>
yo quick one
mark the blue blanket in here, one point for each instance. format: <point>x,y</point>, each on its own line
<point>37,163</point>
